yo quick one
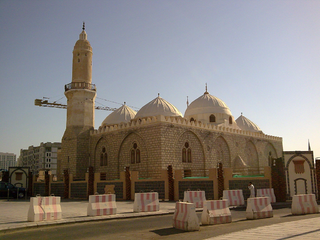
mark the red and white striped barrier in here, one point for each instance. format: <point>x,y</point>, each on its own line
<point>216,212</point>
<point>234,197</point>
<point>304,204</point>
<point>185,217</point>
<point>267,192</point>
<point>196,197</point>
<point>44,209</point>
<point>146,202</point>
<point>102,205</point>
<point>259,207</point>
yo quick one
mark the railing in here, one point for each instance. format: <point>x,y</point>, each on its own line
<point>79,85</point>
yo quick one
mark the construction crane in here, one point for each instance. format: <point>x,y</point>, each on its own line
<point>46,103</point>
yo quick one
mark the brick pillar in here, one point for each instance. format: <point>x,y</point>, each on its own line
<point>47,182</point>
<point>30,184</point>
<point>171,183</point>
<point>220,181</point>
<point>128,184</point>
<point>91,182</point>
<point>279,179</point>
<point>66,183</point>
<point>318,177</point>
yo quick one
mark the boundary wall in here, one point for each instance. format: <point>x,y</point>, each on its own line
<point>81,189</point>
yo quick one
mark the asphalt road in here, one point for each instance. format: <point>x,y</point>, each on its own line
<point>157,227</point>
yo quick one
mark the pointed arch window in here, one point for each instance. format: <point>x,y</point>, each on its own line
<point>191,119</point>
<point>186,153</point>
<point>212,118</point>
<point>135,154</point>
<point>103,157</point>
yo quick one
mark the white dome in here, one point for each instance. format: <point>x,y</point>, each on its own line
<point>247,125</point>
<point>207,104</point>
<point>122,114</point>
<point>158,106</point>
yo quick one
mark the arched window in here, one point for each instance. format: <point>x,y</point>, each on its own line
<point>230,120</point>
<point>103,157</point>
<point>212,118</point>
<point>186,153</point>
<point>191,119</point>
<point>135,154</point>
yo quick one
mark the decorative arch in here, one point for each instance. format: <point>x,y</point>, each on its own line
<point>189,154</point>
<point>299,155</point>
<point>133,153</point>
<point>271,152</point>
<point>252,157</point>
<point>102,155</point>
<point>221,152</point>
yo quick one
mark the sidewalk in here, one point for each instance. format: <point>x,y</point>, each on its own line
<point>14,214</point>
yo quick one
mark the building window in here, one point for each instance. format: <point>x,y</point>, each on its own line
<point>187,173</point>
<point>18,175</point>
<point>103,176</point>
<point>103,157</point>
<point>230,120</point>
<point>135,154</point>
<point>191,119</point>
<point>186,153</point>
<point>212,118</point>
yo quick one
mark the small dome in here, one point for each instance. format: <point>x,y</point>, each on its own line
<point>158,106</point>
<point>247,125</point>
<point>207,104</point>
<point>83,43</point>
<point>123,114</point>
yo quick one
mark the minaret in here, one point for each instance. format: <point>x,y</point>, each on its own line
<point>80,94</point>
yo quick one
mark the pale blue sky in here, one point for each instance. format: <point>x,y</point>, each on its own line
<point>260,57</point>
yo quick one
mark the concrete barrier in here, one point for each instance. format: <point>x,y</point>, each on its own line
<point>304,204</point>
<point>196,197</point>
<point>259,207</point>
<point>44,209</point>
<point>185,217</point>
<point>146,202</point>
<point>102,205</point>
<point>234,197</point>
<point>267,192</point>
<point>216,212</point>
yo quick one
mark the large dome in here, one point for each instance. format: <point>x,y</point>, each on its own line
<point>207,104</point>
<point>247,125</point>
<point>122,114</point>
<point>158,106</point>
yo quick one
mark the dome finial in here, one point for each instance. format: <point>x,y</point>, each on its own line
<point>206,92</point>
<point>187,102</point>
<point>124,103</point>
<point>158,94</point>
<point>83,26</point>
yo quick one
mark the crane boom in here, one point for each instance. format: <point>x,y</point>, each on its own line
<point>46,103</point>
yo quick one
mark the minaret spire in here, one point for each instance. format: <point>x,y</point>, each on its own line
<point>187,102</point>
<point>83,26</point>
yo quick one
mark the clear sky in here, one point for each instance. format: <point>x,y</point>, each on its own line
<point>262,58</point>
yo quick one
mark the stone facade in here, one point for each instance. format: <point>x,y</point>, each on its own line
<point>161,141</point>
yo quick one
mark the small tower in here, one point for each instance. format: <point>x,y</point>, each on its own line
<point>80,94</point>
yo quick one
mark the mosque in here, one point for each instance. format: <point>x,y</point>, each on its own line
<point>158,135</point>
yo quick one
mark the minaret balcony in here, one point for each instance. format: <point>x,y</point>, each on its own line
<point>79,85</point>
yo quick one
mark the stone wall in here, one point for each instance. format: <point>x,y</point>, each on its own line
<point>161,143</point>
